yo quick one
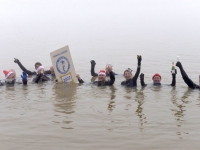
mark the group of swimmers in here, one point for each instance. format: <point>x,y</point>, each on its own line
<point>130,80</point>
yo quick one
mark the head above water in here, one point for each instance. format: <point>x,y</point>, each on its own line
<point>10,76</point>
<point>156,78</point>
<point>37,64</point>
<point>102,75</point>
<point>128,74</point>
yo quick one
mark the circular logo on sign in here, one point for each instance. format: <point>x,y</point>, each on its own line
<point>62,65</point>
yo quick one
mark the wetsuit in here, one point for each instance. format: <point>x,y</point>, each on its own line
<point>13,82</point>
<point>40,78</point>
<point>158,84</point>
<point>28,71</point>
<point>133,82</point>
<point>103,83</point>
<point>185,77</point>
<point>93,63</point>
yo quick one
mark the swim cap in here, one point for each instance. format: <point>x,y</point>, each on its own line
<point>156,75</point>
<point>102,72</point>
<point>7,73</point>
<point>129,70</point>
<point>39,68</point>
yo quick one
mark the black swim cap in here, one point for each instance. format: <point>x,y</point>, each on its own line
<point>128,70</point>
<point>38,63</point>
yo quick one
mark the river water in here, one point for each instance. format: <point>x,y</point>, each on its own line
<point>73,116</point>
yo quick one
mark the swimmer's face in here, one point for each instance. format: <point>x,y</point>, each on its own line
<point>127,75</point>
<point>156,79</point>
<point>12,76</point>
<point>101,77</point>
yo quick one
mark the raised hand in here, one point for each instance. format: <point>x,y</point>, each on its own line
<point>24,76</point>
<point>16,60</point>
<point>93,63</point>
<point>142,76</point>
<point>108,68</point>
<point>139,57</point>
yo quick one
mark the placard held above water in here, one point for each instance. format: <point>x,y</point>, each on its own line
<point>63,65</point>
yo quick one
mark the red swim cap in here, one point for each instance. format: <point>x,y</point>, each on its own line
<point>156,75</point>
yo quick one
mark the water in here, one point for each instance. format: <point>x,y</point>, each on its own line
<point>64,116</point>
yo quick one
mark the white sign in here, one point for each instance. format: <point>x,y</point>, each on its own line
<point>63,65</point>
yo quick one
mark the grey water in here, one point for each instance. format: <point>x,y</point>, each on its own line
<point>65,116</point>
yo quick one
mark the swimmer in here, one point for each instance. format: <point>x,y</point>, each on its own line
<point>40,76</point>
<point>102,77</point>
<point>157,79</point>
<point>185,77</point>
<point>37,64</point>
<point>10,77</point>
<point>132,81</point>
<point>93,63</point>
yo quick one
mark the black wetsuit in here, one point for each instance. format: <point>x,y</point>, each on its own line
<point>133,82</point>
<point>12,83</point>
<point>93,63</point>
<point>36,79</point>
<point>103,83</point>
<point>28,71</point>
<point>185,77</point>
<point>158,84</point>
<point>40,78</point>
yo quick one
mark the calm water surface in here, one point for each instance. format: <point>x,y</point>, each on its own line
<point>53,115</point>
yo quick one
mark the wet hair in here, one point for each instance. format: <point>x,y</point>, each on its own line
<point>128,70</point>
<point>38,63</point>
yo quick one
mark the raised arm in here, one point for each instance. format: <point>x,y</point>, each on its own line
<point>112,78</point>
<point>185,77</point>
<point>111,74</point>
<point>93,63</point>
<point>23,68</point>
<point>142,79</point>
<point>174,78</point>
<point>139,58</point>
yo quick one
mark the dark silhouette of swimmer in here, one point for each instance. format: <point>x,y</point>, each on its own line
<point>132,81</point>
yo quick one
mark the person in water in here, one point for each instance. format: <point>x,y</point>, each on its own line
<point>10,77</point>
<point>37,64</point>
<point>129,80</point>
<point>185,77</point>
<point>157,79</point>
<point>40,76</point>
<point>93,63</point>
<point>102,77</point>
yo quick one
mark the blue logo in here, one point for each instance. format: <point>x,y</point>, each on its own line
<point>62,65</point>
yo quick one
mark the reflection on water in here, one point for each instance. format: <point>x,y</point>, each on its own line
<point>180,109</point>
<point>140,97</point>
<point>64,102</point>
<point>111,104</point>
